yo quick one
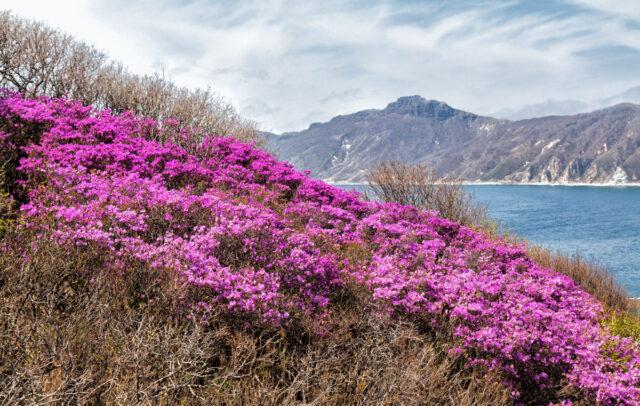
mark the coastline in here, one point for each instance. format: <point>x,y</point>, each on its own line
<point>595,184</point>
<point>598,184</point>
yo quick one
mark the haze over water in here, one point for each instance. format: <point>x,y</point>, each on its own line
<point>601,223</point>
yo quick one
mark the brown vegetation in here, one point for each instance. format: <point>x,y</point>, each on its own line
<point>37,60</point>
<point>422,187</point>
<point>592,277</point>
<point>72,336</point>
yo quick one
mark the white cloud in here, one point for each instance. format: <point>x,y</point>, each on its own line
<point>287,63</point>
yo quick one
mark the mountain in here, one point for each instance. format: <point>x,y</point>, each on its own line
<point>598,147</point>
<point>567,107</point>
<point>547,108</point>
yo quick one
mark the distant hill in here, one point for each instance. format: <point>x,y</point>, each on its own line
<point>598,147</point>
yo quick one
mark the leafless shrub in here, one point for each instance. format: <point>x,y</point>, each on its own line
<point>38,60</point>
<point>422,187</point>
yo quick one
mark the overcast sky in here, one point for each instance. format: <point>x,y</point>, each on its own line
<point>287,64</point>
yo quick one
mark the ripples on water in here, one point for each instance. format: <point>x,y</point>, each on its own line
<point>601,223</point>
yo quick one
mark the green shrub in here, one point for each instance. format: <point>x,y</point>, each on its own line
<point>624,323</point>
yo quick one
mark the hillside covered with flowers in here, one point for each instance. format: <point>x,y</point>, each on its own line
<point>235,234</point>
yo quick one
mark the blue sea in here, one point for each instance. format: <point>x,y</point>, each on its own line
<point>599,222</point>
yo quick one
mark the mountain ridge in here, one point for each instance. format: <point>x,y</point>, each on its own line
<point>602,146</point>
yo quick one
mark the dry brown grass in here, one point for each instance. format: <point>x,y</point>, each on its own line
<point>592,277</point>
<point>37,60</point>
<point>68,336</point>
<point>421,187</point>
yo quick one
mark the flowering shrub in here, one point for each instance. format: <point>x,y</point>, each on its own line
<point>274,247</point>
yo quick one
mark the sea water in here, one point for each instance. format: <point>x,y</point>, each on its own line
<point>601,223</point>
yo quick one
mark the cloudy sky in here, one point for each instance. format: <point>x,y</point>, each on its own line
<point>287,64</point>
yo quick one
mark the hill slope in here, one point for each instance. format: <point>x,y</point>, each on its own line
<point>602,146</point>
<point>288,279</point>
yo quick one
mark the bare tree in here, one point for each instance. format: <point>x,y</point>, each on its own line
<point>423,188</point>
<point>38,60</point>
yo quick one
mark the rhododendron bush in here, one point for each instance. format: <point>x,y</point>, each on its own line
<point>273,247</point>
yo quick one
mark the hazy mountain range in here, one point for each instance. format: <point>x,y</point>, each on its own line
<point>598,147</point>
<point>566,107</point>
